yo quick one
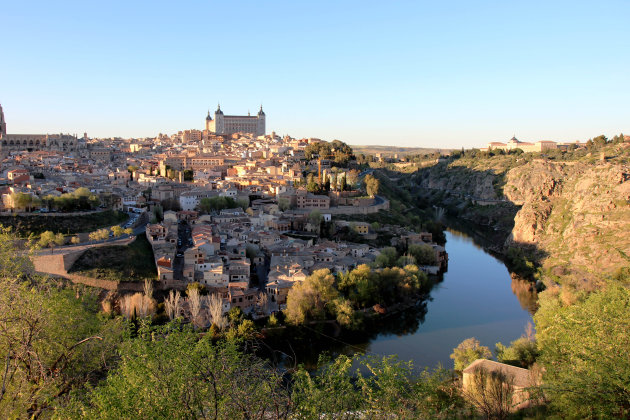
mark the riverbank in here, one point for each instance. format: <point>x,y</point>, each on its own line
<point>476,297</point>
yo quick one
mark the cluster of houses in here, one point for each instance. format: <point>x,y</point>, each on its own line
<point>250,259</point>
<point>139,173</point>
<point>269,241</point>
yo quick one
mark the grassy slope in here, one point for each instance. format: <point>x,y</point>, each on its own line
<point>133,262</point>
<point>24,225</point>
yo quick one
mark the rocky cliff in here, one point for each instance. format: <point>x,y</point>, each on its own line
<point>577,213</point>
<point>573,216</point>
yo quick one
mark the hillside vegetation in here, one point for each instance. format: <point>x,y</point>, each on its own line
<point>61,358</point>
<point>133,262</point>
<point>394,150</point>
<point>571,217</point>
<point>26,224</point>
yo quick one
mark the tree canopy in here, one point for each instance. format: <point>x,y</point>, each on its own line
<point>51,239</point>
<point>51,339</point>
<point>372,185</point>
<point>468,351</point>
<point>584,350</point>
<point>336,150</point>
<point>310,300</point>
<point>208,205</point>
<point>80,199</point>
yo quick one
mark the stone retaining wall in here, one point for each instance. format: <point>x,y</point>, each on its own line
<point>375,208</point>
<point>57,265</point>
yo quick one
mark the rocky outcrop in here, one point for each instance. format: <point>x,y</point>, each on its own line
<point>574,215</point>
<point>460,180</point>
<point>577,214</point>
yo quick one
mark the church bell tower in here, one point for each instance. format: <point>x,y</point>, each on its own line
<point>3,124</point>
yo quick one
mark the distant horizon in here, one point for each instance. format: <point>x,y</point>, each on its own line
<point>269,131</point>
<point>417,74</point>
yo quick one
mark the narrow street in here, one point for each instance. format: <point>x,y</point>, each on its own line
<point>184,241</point>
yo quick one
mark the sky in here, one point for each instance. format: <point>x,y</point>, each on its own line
<point>444,74</point>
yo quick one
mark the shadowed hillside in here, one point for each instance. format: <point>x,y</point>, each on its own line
<point>569,216</point>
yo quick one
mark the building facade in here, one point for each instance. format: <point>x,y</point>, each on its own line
<point>539,146</point>
<point>34,142</point>
<point>230,124</point>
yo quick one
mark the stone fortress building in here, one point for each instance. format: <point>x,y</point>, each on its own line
<point>34,142</point>
<point>539,146</point>
<point>230,124</point>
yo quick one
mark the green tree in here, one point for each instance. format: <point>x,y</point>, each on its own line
<point>168,372</point>
<point>360,285</point>
<point>283,204</point>
<point>372,185</point>
<point>24,201</point>
<point>423,254</point>
<point>341,183</point>
<point>311,184</point>
<point>235,316</point>
<point>51,340</point>
<point>309,300</point>
<point>584,352</point>
<point>404,260</point>
<point>387,257</point>
<point>242,202</point>
<point>398,284</point>
<point>391,389</point>
<point>51,239</point>
<point>344,313</point>
<point>208,205</point>
<point>315,217</point>
<point>468,351</point>
<point>342,152</point>
<point>246,329</point>
<point>522,352</point>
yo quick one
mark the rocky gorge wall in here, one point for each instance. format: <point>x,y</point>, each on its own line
<point>578,214</point>
<point>573,216</point>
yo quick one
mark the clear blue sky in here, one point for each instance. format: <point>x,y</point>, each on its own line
<point>440,73</point>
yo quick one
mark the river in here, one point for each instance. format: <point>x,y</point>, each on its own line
<point>476,297</point>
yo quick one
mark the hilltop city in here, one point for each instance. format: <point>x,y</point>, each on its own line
<point>238,211</point>
<point>232,253</point>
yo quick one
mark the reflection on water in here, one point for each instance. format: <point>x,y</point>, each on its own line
<point>526,293</point>
<point>292,346</point>
<point>464,237</point>
<point>476,297</point>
